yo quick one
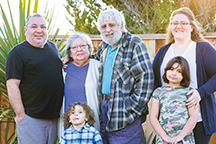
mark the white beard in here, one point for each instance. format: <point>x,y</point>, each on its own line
<point>113,40</point>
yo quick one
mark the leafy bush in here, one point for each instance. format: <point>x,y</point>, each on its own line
<point>9,37</point>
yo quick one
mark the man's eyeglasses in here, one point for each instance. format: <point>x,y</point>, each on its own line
<point>75,48</point>
<point>183,24</point>
<point>104,26</point>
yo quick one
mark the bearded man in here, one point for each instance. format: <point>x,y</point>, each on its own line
<point>125,82</point>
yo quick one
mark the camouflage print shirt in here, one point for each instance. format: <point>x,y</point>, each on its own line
<point>173,113</point>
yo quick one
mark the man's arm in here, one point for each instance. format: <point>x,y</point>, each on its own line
<point>15,97</point>
<point>100,50</point>
<point>142,72</point>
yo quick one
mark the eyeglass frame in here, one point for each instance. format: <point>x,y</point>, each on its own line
<point>75,48</point>
<point>110,25</point>
<point>181,23</point>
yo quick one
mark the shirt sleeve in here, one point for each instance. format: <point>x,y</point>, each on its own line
<point>62,140</point>
<point>14,66</point>
<point>141,70</point>
<point>208,55</point>
<point>156,94</point>
<point>97,138</point>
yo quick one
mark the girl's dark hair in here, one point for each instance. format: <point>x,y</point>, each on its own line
<point>88,111</point>
<point>185,70</point>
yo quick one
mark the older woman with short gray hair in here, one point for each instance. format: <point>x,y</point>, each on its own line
<point>76,35</point>
<point>81,74</point>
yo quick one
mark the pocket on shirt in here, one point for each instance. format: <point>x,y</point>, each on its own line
<point>127,82</point>
<point>125,75</point>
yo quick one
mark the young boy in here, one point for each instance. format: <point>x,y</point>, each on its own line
<point>79,120</point>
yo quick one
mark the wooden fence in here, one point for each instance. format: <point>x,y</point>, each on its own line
<point>153,43</point>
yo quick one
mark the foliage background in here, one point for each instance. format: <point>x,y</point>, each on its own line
<point>9,37</point>
<point>142,16</point>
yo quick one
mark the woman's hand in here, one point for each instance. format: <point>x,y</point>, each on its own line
<point>194,99</point>
<point>64,61</point>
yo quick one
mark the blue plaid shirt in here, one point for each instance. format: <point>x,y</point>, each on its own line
<point>86,135</point>
<point>131,82</point>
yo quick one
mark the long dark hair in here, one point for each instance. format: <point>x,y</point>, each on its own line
<point>185,70</point>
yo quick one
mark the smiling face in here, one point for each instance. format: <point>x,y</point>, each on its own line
<point>79,51</point>
<point>78,117</point>
<point>174,75</point>
<point>180,27</point>
<point>36,31</point>
<point>111,32</point>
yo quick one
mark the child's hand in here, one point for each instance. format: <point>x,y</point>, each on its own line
<point>176,139</point>
<point>166,139</point>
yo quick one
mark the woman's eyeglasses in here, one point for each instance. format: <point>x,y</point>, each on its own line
<point>182,24</point>
<point>75,48</point>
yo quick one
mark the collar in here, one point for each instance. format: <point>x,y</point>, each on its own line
<point>110,48</point>
<point>85,127</point>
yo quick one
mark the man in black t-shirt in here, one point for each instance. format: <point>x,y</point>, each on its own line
<point>35,84</point>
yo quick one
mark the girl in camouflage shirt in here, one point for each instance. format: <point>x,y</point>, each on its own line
<point>169,116</point>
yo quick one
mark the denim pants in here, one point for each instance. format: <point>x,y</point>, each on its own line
<point>131,134</point>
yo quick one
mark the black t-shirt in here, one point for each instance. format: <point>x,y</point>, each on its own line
<point>40,72</point>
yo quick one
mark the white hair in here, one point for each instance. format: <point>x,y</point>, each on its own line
<point>81,35</point>
<point>109,15</point>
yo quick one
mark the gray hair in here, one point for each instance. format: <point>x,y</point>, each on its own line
<point>109,15</point>
<point>70,40</point>
<point>34,15</point>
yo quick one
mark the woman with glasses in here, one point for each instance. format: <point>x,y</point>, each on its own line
<point>81,74</point>
<point>184,39</point>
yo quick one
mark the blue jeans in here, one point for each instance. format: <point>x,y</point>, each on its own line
<point>131,134</point>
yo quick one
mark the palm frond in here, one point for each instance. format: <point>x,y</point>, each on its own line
<point>10,35</point>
